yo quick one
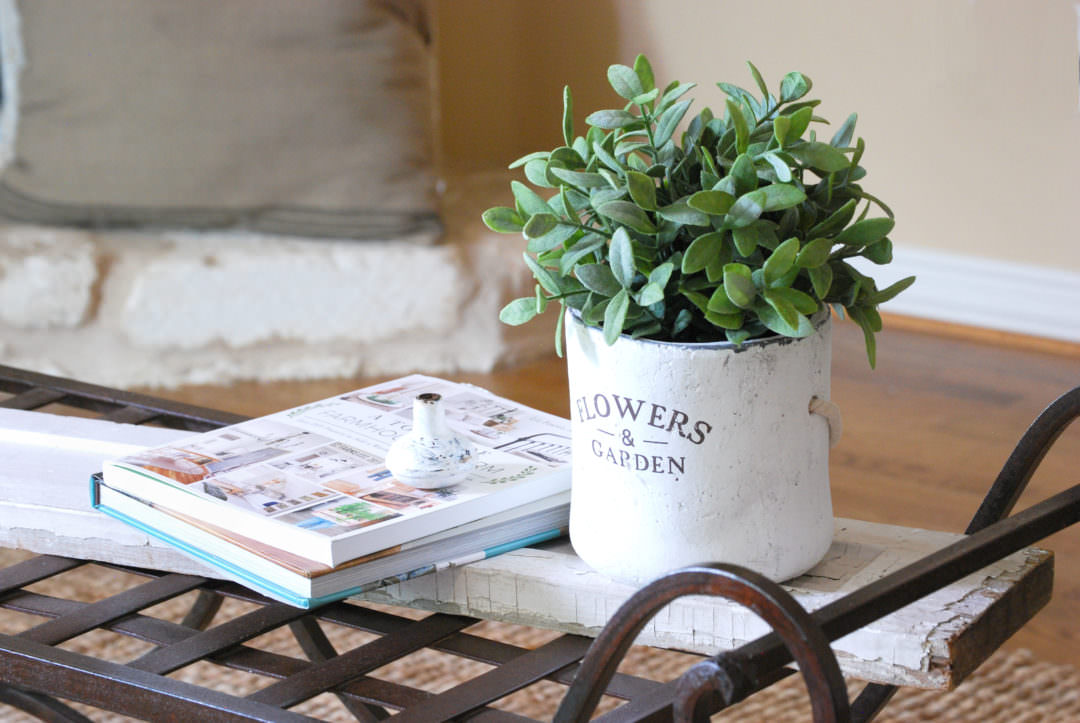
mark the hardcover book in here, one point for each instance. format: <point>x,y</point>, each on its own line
<point>298,581</point>
<point>312,480</point>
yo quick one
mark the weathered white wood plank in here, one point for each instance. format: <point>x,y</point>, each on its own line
<point>916,646</point>
<point>45,465</point>
<point>46,462</point>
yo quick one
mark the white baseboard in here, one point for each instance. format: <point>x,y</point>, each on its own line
<point>1033,300</point>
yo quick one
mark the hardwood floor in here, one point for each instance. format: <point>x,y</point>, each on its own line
<point>924,435</point>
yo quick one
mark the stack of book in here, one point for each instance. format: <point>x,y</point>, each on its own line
<point>299,504</point>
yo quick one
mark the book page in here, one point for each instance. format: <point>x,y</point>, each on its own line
<point>321,466</point>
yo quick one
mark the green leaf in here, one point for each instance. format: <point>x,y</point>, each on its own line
<point>518,311</point>
<point>746,209</point>
<point>662,274</point>
<point>682,320</point>
<point>642,189</point>
<point>759,80</point>
<point>733,92</point>
<point>724,321</point>
<point>714,203</point>
<point>782,306</point>
<point>647,97</point>
<point>625,81</point>
<point>644,73</point>
<point>842,137</point>
<point>748,238</point>
<point>503,220</point>
<point>737,336</point>
<point>800,121</point>
<point>815,253</point>
<point>779,166</point>
<point>629,145</point>
<point>598,278</point>
<point>650,294</point>
<point>537,156</point>
<point>668,122</point>
<point>714,272</point>
<point>781,126</point>
<point>865,232</point>
<point>699,300</point>
<point>864,323</point>
<point>541,300</point>
<point>780,261</point>
<point>581,248</point>
<point>593,311</point>
<point>672,93</point>
<point>540,224</point>
<point>880,252</point>
<point>528,200</point>
<point>779,196</point>
<point>744,174</point>
<point>542,275</point>
<point>621,258</point>
<point>836,221</point>
<point>612,119</point>
<point>627,214</point>
<point>794,86</point>
<point>701,251</point>
<point>819,156</point>
<point>738,120</point>
<point>801,301</point>
<point>890,292</point>
<point>553,239</point>
<point>647,329</point>
<point>567,115</point>
<point>821,277</point>
<point>682,212</point>
<point>739,285</point>
<point>773,321</point>
<point>719,303</point>
<point>581,179</point>
<point>615,316</point>
<point>607,159</point>
<point>536,171</point>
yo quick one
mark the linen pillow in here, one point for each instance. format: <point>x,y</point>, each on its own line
<point>277,116</point>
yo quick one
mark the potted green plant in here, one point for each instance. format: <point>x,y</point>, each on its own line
<point>696,270</point>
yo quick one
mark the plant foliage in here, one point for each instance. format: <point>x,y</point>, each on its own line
<point>740,226</point>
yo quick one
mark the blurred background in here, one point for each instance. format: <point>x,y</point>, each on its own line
<point>216,191</point>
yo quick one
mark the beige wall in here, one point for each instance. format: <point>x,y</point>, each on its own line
<point>969,107</point>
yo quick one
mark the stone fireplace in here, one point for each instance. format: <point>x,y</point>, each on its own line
<point>168,223</point>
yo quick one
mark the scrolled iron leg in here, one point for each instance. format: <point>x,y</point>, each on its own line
<point>721,677</point>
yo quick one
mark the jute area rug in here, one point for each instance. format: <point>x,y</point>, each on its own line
<point>1012,687</point>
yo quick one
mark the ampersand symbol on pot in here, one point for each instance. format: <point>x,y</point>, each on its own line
<point>627,439</point>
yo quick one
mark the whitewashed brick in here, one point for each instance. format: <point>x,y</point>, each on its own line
<point>46,278</point>
<point>240,291</point>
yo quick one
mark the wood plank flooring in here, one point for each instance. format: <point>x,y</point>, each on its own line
<point>924,435</point>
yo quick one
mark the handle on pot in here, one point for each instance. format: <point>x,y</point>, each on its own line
<point>831,413</point>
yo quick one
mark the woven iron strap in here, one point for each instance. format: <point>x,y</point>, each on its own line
<point>997,505</point>
<point>704,683</point>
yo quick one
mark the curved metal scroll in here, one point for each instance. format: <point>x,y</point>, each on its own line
<point>802,636</point>
<point>996,505</point>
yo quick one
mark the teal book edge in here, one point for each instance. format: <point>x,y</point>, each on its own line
<point>271,589</point>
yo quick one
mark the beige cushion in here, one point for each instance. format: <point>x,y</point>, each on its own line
<point>272,115</point>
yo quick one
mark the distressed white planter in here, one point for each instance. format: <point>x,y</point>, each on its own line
<point>692,453</point>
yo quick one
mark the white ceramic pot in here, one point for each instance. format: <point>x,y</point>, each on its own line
<point>431,455</point>
<point>693,453</point>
